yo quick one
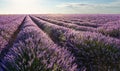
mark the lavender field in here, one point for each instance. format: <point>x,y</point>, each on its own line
<point>57,42</point>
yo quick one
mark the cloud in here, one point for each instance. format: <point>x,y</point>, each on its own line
<point>73,5</point>
<point>79,5</point>
<point>113,7</point>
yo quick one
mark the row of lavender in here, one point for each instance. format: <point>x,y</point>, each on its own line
<point>98,19</point>
<point>93,51</point>
<point>7,28</point>
<point>33,50</point>
<point>108,25</point>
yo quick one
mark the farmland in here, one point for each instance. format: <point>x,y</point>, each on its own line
<point>59,42</point>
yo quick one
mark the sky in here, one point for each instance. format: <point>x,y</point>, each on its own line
<point>59,6</point>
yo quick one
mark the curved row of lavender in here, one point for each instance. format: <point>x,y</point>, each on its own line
<point>60,43</point>
<point>33,50</point>
<point>93,23</point>
<point>70,25</point>
<point>7,28</point>
<point>92,50</point>
<point>73,18</point>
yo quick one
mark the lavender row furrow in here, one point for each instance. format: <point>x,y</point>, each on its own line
<point>71,21</point>
<point>110,29</point>
<point>70,25</point>
<point>92,49</point>
<point>96,19</point>
<point>7,31</point>
<point>52,27</point>
<point>108,26</point>
<point>10,27</point>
